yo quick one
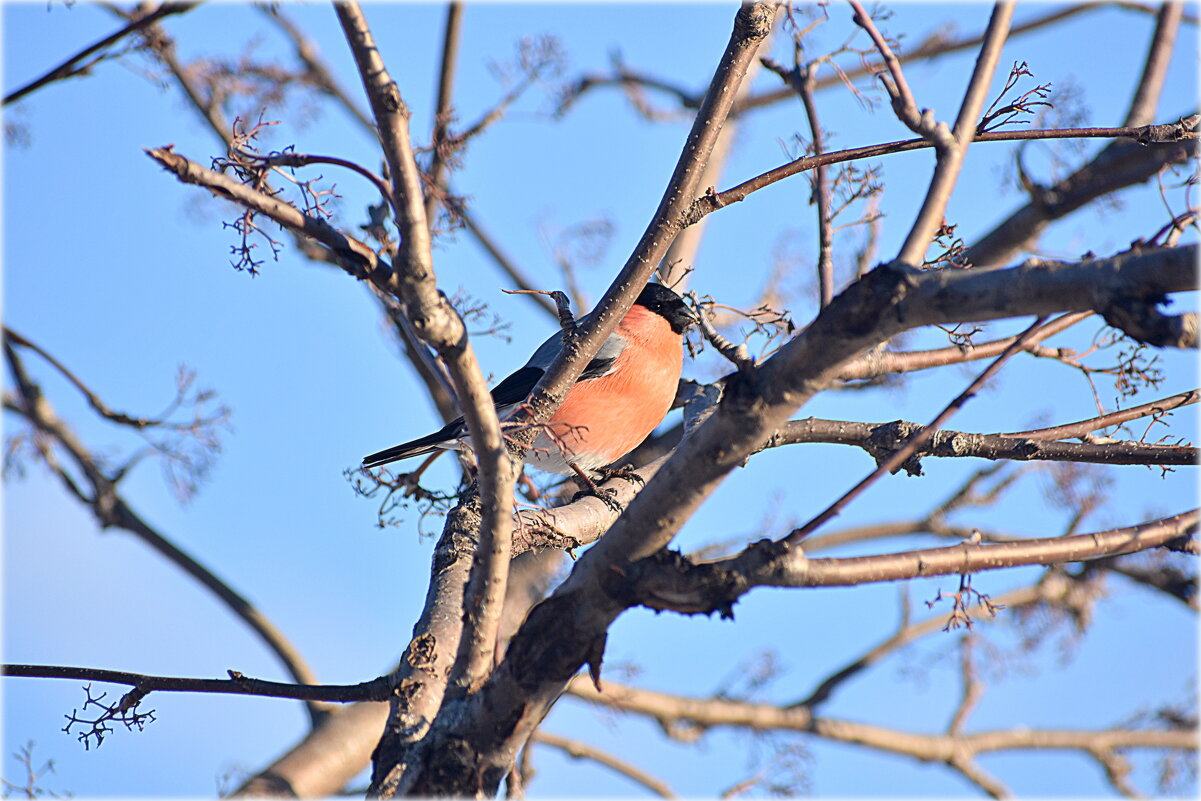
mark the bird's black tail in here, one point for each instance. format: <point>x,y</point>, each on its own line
<point>416,447</point>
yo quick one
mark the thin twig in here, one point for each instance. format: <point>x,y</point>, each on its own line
<point>876,363</point>
<point>803,78</point>
<point>952,146</point>
<point>237,684</point>
<point>688,714</point>
<point>919,438</point>
<point>316,70</point>
<point>669,582</point>
<point>903,103</point>
<point>973,689</point>
<point>581,750</point>
<point>72,65</point>
<point>1148,134</point>
<point>290,158</point>
<point>111,509</point>
<point>1114,418</point>
<point>907,633</point>
<point>442,111</point>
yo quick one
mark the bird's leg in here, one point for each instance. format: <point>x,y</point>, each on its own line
<point>590,488</point>
<point>626,472</point>
<point>532,492</point>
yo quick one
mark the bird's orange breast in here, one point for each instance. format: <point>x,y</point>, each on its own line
<point>605,418</point>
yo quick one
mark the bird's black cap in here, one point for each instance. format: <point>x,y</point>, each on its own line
<point>668,305</point>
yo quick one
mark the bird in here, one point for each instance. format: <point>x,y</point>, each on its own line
<point>619,398</point>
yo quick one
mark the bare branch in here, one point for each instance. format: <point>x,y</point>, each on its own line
<point>73,66</point>
<point>1154,408</point>
<point>290,158</point>
<point>952,146</point>
<point>1137,163</point>
<point>917,439</point>
<point>802,78</point>
<point>878,363</point>
<point>350,254</point>
<point>315,69</point>
<point>882,440</point>
<point>667,581</point>
<point>686,713</point>
<point>973,689</point>
<point>442,111</point>
<point>936,45</point>
<point>325,759</point>
<point>436,322</point>
<point>1150,85</point>
<point>921,123</point>
<point>237,684</point>
<point>579,750</point>
<point>111,509</point>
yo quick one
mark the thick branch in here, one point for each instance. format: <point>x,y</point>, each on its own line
<point>1155,69</point>
<point>508,694</point>
<point>667,581</point>
<point>879,439</point>
<point>545,651</point>
<point>436,322</point>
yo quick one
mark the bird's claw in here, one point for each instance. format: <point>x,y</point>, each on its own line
<point>626,472</point>
<point>607,496</point>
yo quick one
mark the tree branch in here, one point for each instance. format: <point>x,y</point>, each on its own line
<point>442,111</point>
<point>1126,164</point>
<point>1150,85</point>
<point>72,65</point>
<point>917,439</point>
<point>581,750</point>
<point>436,322</point>
<point>675,712</point>
<point>508,693</point>
<point>878,363</point>
<point>668,581</point>
<point>951,146</point>
<point>883,439</point>
<point>111,510</point>
<point>237,684</point>
<point>1154,408</point>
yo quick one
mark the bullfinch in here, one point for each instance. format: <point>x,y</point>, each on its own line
<point>624,392</point>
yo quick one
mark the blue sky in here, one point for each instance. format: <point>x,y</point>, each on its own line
<point>123,274</point>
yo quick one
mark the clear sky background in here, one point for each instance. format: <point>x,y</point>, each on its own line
<point>123,274</point>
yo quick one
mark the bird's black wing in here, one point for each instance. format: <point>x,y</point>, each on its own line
<point>513,390</point>
<point>516,387</point>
